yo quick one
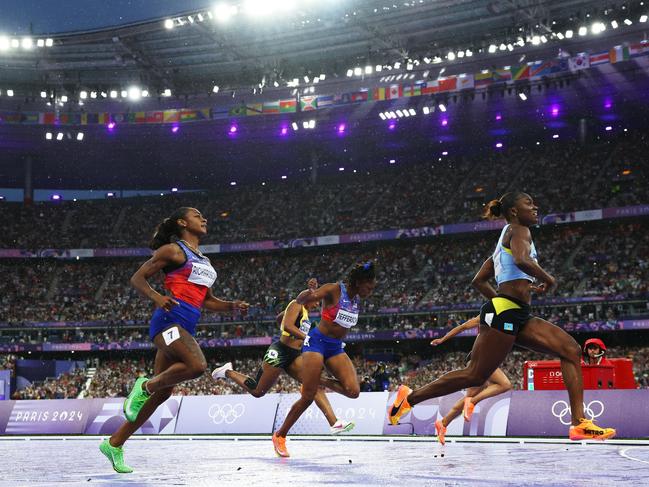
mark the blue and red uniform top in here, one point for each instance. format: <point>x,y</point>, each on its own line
<point>191,280</point>
<point>345,311</point>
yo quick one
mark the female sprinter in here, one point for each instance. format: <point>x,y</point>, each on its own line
<point>506,319</point>
<point>188,277</point>
<point>497,383</point>
<point>323,346</point>
<point>285,355</point>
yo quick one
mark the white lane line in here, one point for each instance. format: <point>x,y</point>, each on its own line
<point>623,452</point>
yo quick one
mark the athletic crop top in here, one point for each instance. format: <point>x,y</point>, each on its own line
<point>191,280</point>
<point>345,312</point>
<point>505,268</point>
<point>303,322</point>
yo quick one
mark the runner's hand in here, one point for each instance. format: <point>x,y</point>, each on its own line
<point>166,302</point>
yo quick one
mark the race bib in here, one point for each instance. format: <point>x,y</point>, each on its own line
<point>346,319</point>
<point>305,326</point>
<point>202,274</point>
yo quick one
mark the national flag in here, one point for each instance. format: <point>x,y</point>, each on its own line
<point>374,95</point>
<point>170,116</point>
<point>500,75</point>
<point>412,90</point>
<point>599,58</point>
<point>580,61</point>
<point>220,113</point>
<point>538,69</point>
<point>619,53</point>
<point>520,72</point>
<point>483,79</point>
<point>103,117</point>
<point>465,82</point>
<point>290,105</point>
<point>204,114</point>
<point>188,115</point>
<point>430,87</point>
<point>395,91</point>
<point>84,119</point>
<point>253,109</point>
<point>140,117</point>
<point>447,84</point>
<point>30,118</point>
<point>324,101</point>
<point>130,117</point>
<point>638,48</point>
<point>47,118</point>
<point>238,111</point>
<point>308,103</point>
<point>271,107</point>
<point>359,96</point>
<point>155,117</point>
<point>93,118</point>
<point>342,99</point>
<point>64,118</point>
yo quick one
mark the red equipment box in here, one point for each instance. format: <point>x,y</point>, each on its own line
<point>546,375</point>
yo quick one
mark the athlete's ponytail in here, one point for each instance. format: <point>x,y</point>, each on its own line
<point>499,208</point>
<point>365,271</point>
<point>169,230</point>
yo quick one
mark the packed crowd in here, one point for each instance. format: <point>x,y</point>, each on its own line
<point>450,190</point>
<point>610,259</point>
<point>114,378</point>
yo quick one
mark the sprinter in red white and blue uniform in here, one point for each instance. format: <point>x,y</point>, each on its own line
<point>324,346</point>
<point>189,276</point>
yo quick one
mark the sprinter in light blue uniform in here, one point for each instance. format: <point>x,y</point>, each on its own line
<point>506,319</point>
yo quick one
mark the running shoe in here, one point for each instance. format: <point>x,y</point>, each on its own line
<point>219,372</point>
<point>467,412</point>
<point>341,426</point>
<point>441,431</point>
<point>279,443</point>
<point>136,399</point>
<point>116,456</point>
<point>588,430</point>
<point>400,405</point>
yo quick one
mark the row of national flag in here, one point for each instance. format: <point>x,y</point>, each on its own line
<point>511,74</point>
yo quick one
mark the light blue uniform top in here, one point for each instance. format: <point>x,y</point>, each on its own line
<point>505,268</point>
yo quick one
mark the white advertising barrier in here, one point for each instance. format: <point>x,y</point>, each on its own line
<point>227,414</point>
<point>367,411</point>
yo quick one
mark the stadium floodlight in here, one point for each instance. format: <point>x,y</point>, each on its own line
<point>560,36</point>
<point>305,124</point>
<point>410,66</point>
<point>468,53</point>
<point>223,12</point>
<point>166,92</point>
<point>191,19</point>
<point>437,60</point>
<point>113,93</point>
<point>536,40</point>
<point>502,46</point>
<point>83,95</point>
<point>397,65</point>
<point>43,94</point>
<point>413,112</point>
<point>544,39</point>
<point>627,22</point>
<point>134,93</point>
<point>358,71</point>
<point>569,34</point>
<point>169,24</point>
<point>597,28</point>
<point>145,93</point>
<point>492,48</point>
<point>124,93</point>
<point>64,98</point>
<point>614,24</point>
<point>510,47</point>
<point>27,43</point>
<point>460,54</point>
<point>406,113</point>
<point>582,31</point>
<point>399,113</point>
<point>426,110</point>
<point>306,79</point>
<point>350,73</point>
<point>378,68</point>
<point>295,126</point>
<point>442,107</point>
<point>276,84</point>
<point>382,115</point>
<point>59,136</point>
<point>40,43</point>
<point>48,136</point>
<point>4,43</point>
<point>93,94</point>
<point>450,56</point>
<point>522,96</point>
<point>643,18</point>
<point>368,69</point>
<point>311,124</point>
<point>520,42</point>
<point>200,17</point>
<point>80,136</point>
<point>215,89</point>
<point>49,42</point>
<point>15,43</point>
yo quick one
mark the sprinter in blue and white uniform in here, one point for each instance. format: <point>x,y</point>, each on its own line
<point>323,346</point>
<point>506,319</point>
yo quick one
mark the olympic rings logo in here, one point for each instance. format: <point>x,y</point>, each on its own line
<point>226,413</point>
<point>561,409</point>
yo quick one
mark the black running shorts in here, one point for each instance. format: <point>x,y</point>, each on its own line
<point>279,355</point>
<point>505,314</point>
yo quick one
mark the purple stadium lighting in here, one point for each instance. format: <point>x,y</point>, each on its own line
<point>499,145</point>
<point>175,129</point>
<point>392,161</point>
<point>233,129</point>
<point>392,125</point>
<point>444,122</point>
<point>111,125</point>
<point>174,190</point>
<point>283,131</point>
<point>608,103</point>
<point>55,197</point>
<point>555,110</point>
<point>341,128</point>
<point>555,136</point>
<point>445,153</point>
<point>608,128</point>
<point>499,117</point>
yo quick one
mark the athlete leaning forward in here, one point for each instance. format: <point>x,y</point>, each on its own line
<point>286,355</point>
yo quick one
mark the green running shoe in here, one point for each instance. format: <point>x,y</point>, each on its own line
<point>116,456</point>
<point>136,399</point>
